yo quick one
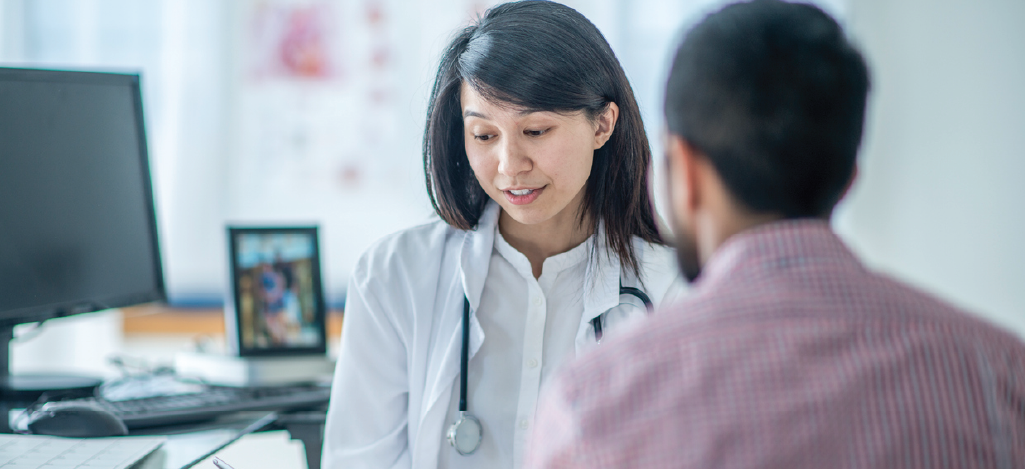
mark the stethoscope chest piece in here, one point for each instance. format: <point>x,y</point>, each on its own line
<point>465,434</point>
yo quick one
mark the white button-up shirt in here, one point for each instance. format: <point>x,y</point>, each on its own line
<point>531,325</point>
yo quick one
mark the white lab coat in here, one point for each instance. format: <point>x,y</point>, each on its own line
<point>401,340</point>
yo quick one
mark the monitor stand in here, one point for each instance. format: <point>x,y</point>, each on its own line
<point>26,388</point>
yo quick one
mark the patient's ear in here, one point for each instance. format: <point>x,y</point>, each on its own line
<point>606,124</point>
<point>684,178</point>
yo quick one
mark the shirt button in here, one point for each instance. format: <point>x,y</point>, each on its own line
<point>524,424</point>
<point>537,301</point>
<point>532,363</point>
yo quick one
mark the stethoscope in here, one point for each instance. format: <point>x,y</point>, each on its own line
<point>466,432</point>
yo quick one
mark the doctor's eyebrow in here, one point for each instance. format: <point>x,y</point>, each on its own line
<point>472,113</point>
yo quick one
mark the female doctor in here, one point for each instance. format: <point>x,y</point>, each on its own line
<point>536,161</point>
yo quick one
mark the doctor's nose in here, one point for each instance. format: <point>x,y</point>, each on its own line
<point>512,160</point>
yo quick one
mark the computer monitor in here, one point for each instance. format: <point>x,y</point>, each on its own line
<point>77,223</point>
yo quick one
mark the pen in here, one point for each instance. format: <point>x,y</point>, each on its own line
<point>221,464</point>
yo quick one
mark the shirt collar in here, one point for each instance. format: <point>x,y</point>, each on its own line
<point>601,278</point>
<point>552,266</point>
<point>774,246</point>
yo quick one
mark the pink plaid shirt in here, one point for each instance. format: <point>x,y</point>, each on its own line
<point>788,353</point>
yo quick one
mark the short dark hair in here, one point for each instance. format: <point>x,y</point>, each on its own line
<point>774,95</point>
<point>541,56</point>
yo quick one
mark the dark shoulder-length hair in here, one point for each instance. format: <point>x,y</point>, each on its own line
<point>541,56</point>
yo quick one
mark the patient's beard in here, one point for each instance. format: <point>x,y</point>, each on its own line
<point>686,250</point>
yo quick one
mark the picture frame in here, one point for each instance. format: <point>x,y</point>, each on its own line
<point>276,306</point>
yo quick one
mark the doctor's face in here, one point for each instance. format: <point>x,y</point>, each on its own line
<point>534,164</point>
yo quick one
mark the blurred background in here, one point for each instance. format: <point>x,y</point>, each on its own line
<point>312,111</point>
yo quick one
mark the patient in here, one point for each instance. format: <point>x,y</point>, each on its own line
<point>788,353</point>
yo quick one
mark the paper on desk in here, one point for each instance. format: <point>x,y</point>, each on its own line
<point>261,450</point>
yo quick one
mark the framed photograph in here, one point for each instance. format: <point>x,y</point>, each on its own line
<point>277,303</point>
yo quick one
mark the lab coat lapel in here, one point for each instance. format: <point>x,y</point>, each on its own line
<point>475,256</point>
<point>474,260</point>
<point>601,287</point>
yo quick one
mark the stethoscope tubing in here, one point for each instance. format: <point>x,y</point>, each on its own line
<point>464,358</point>
<point>596,323</point>
<point>639,294</point>
<point>465,355</point>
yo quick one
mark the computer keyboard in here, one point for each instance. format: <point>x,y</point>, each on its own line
<point>213,402</point>
<point>45,452</point>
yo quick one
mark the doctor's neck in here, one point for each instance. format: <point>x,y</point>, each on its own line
<point>540,241</point>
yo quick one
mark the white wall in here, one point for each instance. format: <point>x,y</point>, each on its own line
<point>187,127</point>
<point>79,344</point>
<point>941,198</point>
<point>11,30</point>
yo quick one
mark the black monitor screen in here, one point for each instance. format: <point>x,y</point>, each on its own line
<point>77,224</point>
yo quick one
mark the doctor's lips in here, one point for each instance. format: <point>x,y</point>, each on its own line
<point>522,196</point>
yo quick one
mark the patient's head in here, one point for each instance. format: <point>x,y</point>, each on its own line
<point>770,98</point>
